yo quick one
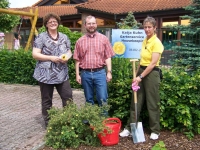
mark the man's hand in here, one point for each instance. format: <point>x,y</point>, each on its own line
<point>109,76</point>
<point>78,79</point>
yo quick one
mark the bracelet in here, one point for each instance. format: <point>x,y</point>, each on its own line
<point>140,76</point>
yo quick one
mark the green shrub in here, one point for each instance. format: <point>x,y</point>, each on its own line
<point>180,101</point>
<point>120,93</point>
<point>17,67</point>
<point>159,146</point>
<point>66,127</point>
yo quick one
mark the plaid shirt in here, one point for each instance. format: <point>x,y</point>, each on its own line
<point>92,51</point>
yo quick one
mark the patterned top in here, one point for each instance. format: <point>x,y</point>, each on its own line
<point>47,71</point>
<point>92,51</point>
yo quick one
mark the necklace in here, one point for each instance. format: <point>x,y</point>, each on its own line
<point>56,39</point>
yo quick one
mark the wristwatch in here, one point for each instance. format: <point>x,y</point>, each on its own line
<point>141,77</point>
<point>109,71</point>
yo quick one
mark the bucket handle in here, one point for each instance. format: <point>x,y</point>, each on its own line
<point>115,119</point>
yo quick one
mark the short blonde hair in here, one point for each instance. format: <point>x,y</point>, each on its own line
<point>150,20</point>
<point>89,17</point>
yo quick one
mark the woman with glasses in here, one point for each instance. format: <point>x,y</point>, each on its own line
<point>51,69</point>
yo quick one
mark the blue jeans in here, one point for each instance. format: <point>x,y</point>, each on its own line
<point>92,81</point>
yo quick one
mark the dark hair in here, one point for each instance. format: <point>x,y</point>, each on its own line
<point>48,16</point>
<point>16,35</point>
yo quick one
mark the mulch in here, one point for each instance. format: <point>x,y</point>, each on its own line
<point>172,141</point>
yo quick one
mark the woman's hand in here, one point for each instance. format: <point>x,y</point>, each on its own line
<point>56,59</point>
<point>137,80</point>
<point>64,61</point>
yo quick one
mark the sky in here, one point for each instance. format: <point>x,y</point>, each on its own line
<point>21,3</point>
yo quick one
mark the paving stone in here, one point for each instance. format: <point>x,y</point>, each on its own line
<point>21,122</point>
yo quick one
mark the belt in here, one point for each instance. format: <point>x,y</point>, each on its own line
<point>155,68</point>
<point>92,70</point>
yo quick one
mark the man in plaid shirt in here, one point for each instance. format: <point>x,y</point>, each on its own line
<point>92,54</point>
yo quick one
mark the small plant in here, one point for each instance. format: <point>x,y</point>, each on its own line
<point>129,22</point>
<point>72,126</point>
<point>159,146</point>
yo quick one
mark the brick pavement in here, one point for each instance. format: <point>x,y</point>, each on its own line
<point>21,123</point>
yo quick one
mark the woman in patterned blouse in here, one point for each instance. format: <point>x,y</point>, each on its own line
<point>51,70</point>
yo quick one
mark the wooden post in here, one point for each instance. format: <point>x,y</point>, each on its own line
<point>33,19</point>
<point>32,29</point>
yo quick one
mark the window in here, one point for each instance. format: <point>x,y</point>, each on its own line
<point>167,38</point>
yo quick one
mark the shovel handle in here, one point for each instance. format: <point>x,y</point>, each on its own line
<point>134,75</point>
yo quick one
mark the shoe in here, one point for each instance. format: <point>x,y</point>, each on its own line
<point>125,133</point>
<point>154,136</point>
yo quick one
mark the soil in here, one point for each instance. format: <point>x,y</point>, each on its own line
<point>172,141</point>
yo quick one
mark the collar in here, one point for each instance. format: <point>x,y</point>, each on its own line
<point>151,39</point>
<point>91,35</point>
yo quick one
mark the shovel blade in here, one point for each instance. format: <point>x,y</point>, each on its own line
<point>137,132</point>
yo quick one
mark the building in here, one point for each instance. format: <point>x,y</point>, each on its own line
<point>108,12</point>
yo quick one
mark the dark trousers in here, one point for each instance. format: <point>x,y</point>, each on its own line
<point>63,89</point>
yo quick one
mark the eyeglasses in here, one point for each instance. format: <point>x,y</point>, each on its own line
<point>90,24</point>
<point>50,22</point>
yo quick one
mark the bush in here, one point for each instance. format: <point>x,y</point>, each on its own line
<point>180,101</point>
<point>66,127</point>
<point>17,67</point>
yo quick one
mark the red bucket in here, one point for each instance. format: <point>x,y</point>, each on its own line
<point>111,138</point>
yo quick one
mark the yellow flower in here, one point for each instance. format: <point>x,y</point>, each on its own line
<point>119,48</point>
<point>64,57</point>
<point>72,128</point>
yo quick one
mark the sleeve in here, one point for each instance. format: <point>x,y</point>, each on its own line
<point>108,49</point>
<point>158,47</point>
<point>68,43</point>
<point>38,42</point>
<point>75,55</point>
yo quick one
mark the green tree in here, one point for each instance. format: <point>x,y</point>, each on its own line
<point>129,22</point>
<point>7,22</point>
<point>187,50</point>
